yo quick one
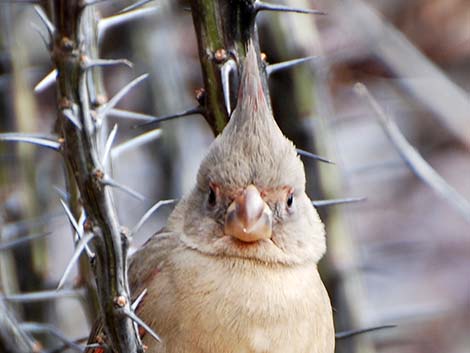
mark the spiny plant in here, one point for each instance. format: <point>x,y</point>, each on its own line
<point>83,138</point>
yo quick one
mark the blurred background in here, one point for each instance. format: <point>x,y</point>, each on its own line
<point>401,257</point>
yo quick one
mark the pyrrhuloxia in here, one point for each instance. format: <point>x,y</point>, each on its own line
<point>235,269</point>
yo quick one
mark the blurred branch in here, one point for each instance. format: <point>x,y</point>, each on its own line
<point>13,338</point>
<point>79,90</point>
<point>433,88</point>
<point>414,160</point>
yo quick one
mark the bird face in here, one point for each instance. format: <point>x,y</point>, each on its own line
<point>250,201</point>
<point>269,224</point>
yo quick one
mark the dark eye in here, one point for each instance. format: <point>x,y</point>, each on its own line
<point>290,200</point>
<point>211,199</point>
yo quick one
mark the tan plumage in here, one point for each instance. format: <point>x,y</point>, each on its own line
<point>209,292</point>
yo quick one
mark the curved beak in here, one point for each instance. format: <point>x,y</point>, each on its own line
<point>249,218</point>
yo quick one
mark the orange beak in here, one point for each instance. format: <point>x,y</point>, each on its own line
<point>249,218</point>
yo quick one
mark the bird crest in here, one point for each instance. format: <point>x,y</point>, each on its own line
<point>252,148</point>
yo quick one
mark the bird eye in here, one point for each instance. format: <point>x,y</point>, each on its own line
<point>290,200</point>
<point>212,197</point>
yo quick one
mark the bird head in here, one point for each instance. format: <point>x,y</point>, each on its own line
<point>250,199</point>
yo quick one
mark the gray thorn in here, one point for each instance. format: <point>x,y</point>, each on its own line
<point>75,120</point>
<point>131,315</point>
<point>136,142</point>
<point>42,15</point>
<point>313,156</point>
<point>192,111</point>
<point>270,69</point>
<point>47,81</point>
<point>135,6</point>
<point>227,68</point>
<point>35,139</point>
<point>149,212</point>
<point>76,254</point>
<point>263,6</point>
<point>104,109</point>
<point>110,182</point>
<point>351,333</point>
<point>332,202</point>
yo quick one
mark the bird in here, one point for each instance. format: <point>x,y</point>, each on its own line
<point>235,268</point>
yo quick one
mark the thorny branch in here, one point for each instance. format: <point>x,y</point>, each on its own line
<point>74,31</point>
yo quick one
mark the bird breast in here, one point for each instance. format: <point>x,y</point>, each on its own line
<point>208,304</point>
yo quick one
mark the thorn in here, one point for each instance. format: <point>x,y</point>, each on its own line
<point>149,212</point>
<point>91,63</point>
<point>414,160</point>
<point>351,333</point>
<point>13,229</point>
<point>22,240</point>
<point>104,109</point>
<point>333,202</point>
<point>131,315</point>
<point>75,120</point>
<point>35,139</point>
<point>141,296</point>
<point>76,254</point>
<point>135,142</point>
<point>77,226</point>
<point>19,1</point>
<point>109,144</point>
<point>135,6</point>
<point>263,6</point>
<point>42,15</point>
<point>313,156</point>
<point>125,114</point>
<point>47,81</point>
<point>62,193</point>
<point>270,69</point>
<point>192,111</point>
<point>110,182</point>
<point>35,327</point>
<point>47,43</point>
<point>72,220</point>
<point>43,295</point>
<point>92,2</point>
<point>227,68</point>
<point>123,17</point>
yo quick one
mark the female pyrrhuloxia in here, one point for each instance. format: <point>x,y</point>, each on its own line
<point>235,269</point>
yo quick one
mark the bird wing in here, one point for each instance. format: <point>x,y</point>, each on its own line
<point>144,266</point>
